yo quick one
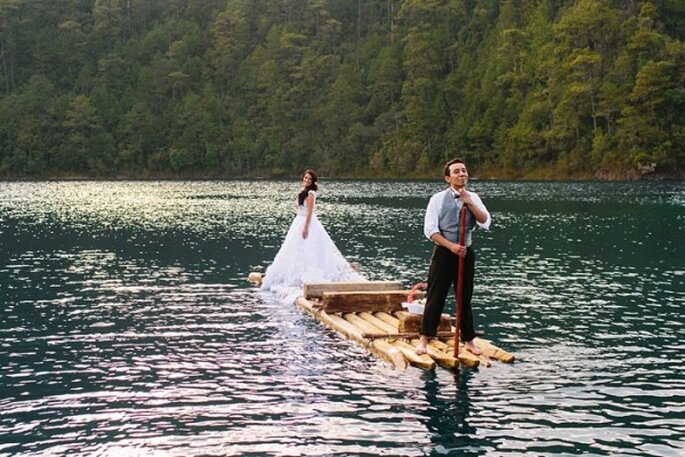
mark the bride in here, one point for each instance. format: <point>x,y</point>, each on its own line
<point>308,254</point>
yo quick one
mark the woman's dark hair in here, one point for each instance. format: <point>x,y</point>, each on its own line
<point>302,195</point>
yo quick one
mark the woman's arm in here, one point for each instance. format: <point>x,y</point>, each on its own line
<point>309,203</point>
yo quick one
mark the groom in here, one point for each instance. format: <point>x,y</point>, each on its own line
<point>441,226</point>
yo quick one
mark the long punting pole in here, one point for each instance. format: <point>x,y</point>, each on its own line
<point>460,280</point>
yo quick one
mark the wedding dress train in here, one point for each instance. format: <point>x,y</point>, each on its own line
<point>311,259</point>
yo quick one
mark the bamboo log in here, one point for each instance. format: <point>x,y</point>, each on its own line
<point>409,352</point>
<point>489,350</point>
<point>493,351</point>
<point>484,360</point>
<point>443,358</point>
<point>379,326</point>
<point>316,290</point>
<point>385,317</point>
<point>406,335</point>
<point>361,324</point>
<point>255,277</point>
<point>440,357</point>
<point>384,326</point>
<point>441,352</point>
<point>466,358</point>
<point>385,350</point>
<point>349,302</point>
<point>422,361</point>
<point>382,349</point>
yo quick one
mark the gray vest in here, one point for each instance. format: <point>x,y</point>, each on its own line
<point>448,219</point>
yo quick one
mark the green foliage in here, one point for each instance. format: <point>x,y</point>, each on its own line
<point>349,87</point>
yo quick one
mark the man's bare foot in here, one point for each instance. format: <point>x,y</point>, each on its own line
<point>471,346</point>
<point>422,347</point>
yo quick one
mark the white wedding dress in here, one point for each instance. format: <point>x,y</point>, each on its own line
<point>311,259</point>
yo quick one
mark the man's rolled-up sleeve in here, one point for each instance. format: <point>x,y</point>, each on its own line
<point>479,203</point>
<point>430,223</point>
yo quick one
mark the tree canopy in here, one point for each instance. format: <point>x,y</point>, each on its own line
<point>216,88</point>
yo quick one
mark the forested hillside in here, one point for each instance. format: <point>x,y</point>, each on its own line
<point>217,88</point>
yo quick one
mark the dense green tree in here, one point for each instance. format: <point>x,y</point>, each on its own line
<point>25,130</point>
<point>87,146</point>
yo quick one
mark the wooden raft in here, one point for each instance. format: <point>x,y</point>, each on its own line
<point>371,314</point>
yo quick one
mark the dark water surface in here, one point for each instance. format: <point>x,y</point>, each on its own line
<point>128,327</point>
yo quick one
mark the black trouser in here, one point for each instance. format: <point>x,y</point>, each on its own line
<point>442,274</point>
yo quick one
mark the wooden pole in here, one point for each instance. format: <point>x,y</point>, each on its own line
<point>460,279</point>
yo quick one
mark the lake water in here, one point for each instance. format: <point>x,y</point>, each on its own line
<point>128,326</point>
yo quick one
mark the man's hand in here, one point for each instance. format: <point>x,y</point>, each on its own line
<point>458,249</point>
<point>465,196</point>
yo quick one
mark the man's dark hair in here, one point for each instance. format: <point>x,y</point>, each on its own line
<point>452,162</point>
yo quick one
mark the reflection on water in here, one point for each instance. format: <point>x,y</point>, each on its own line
<point>128,327</point>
